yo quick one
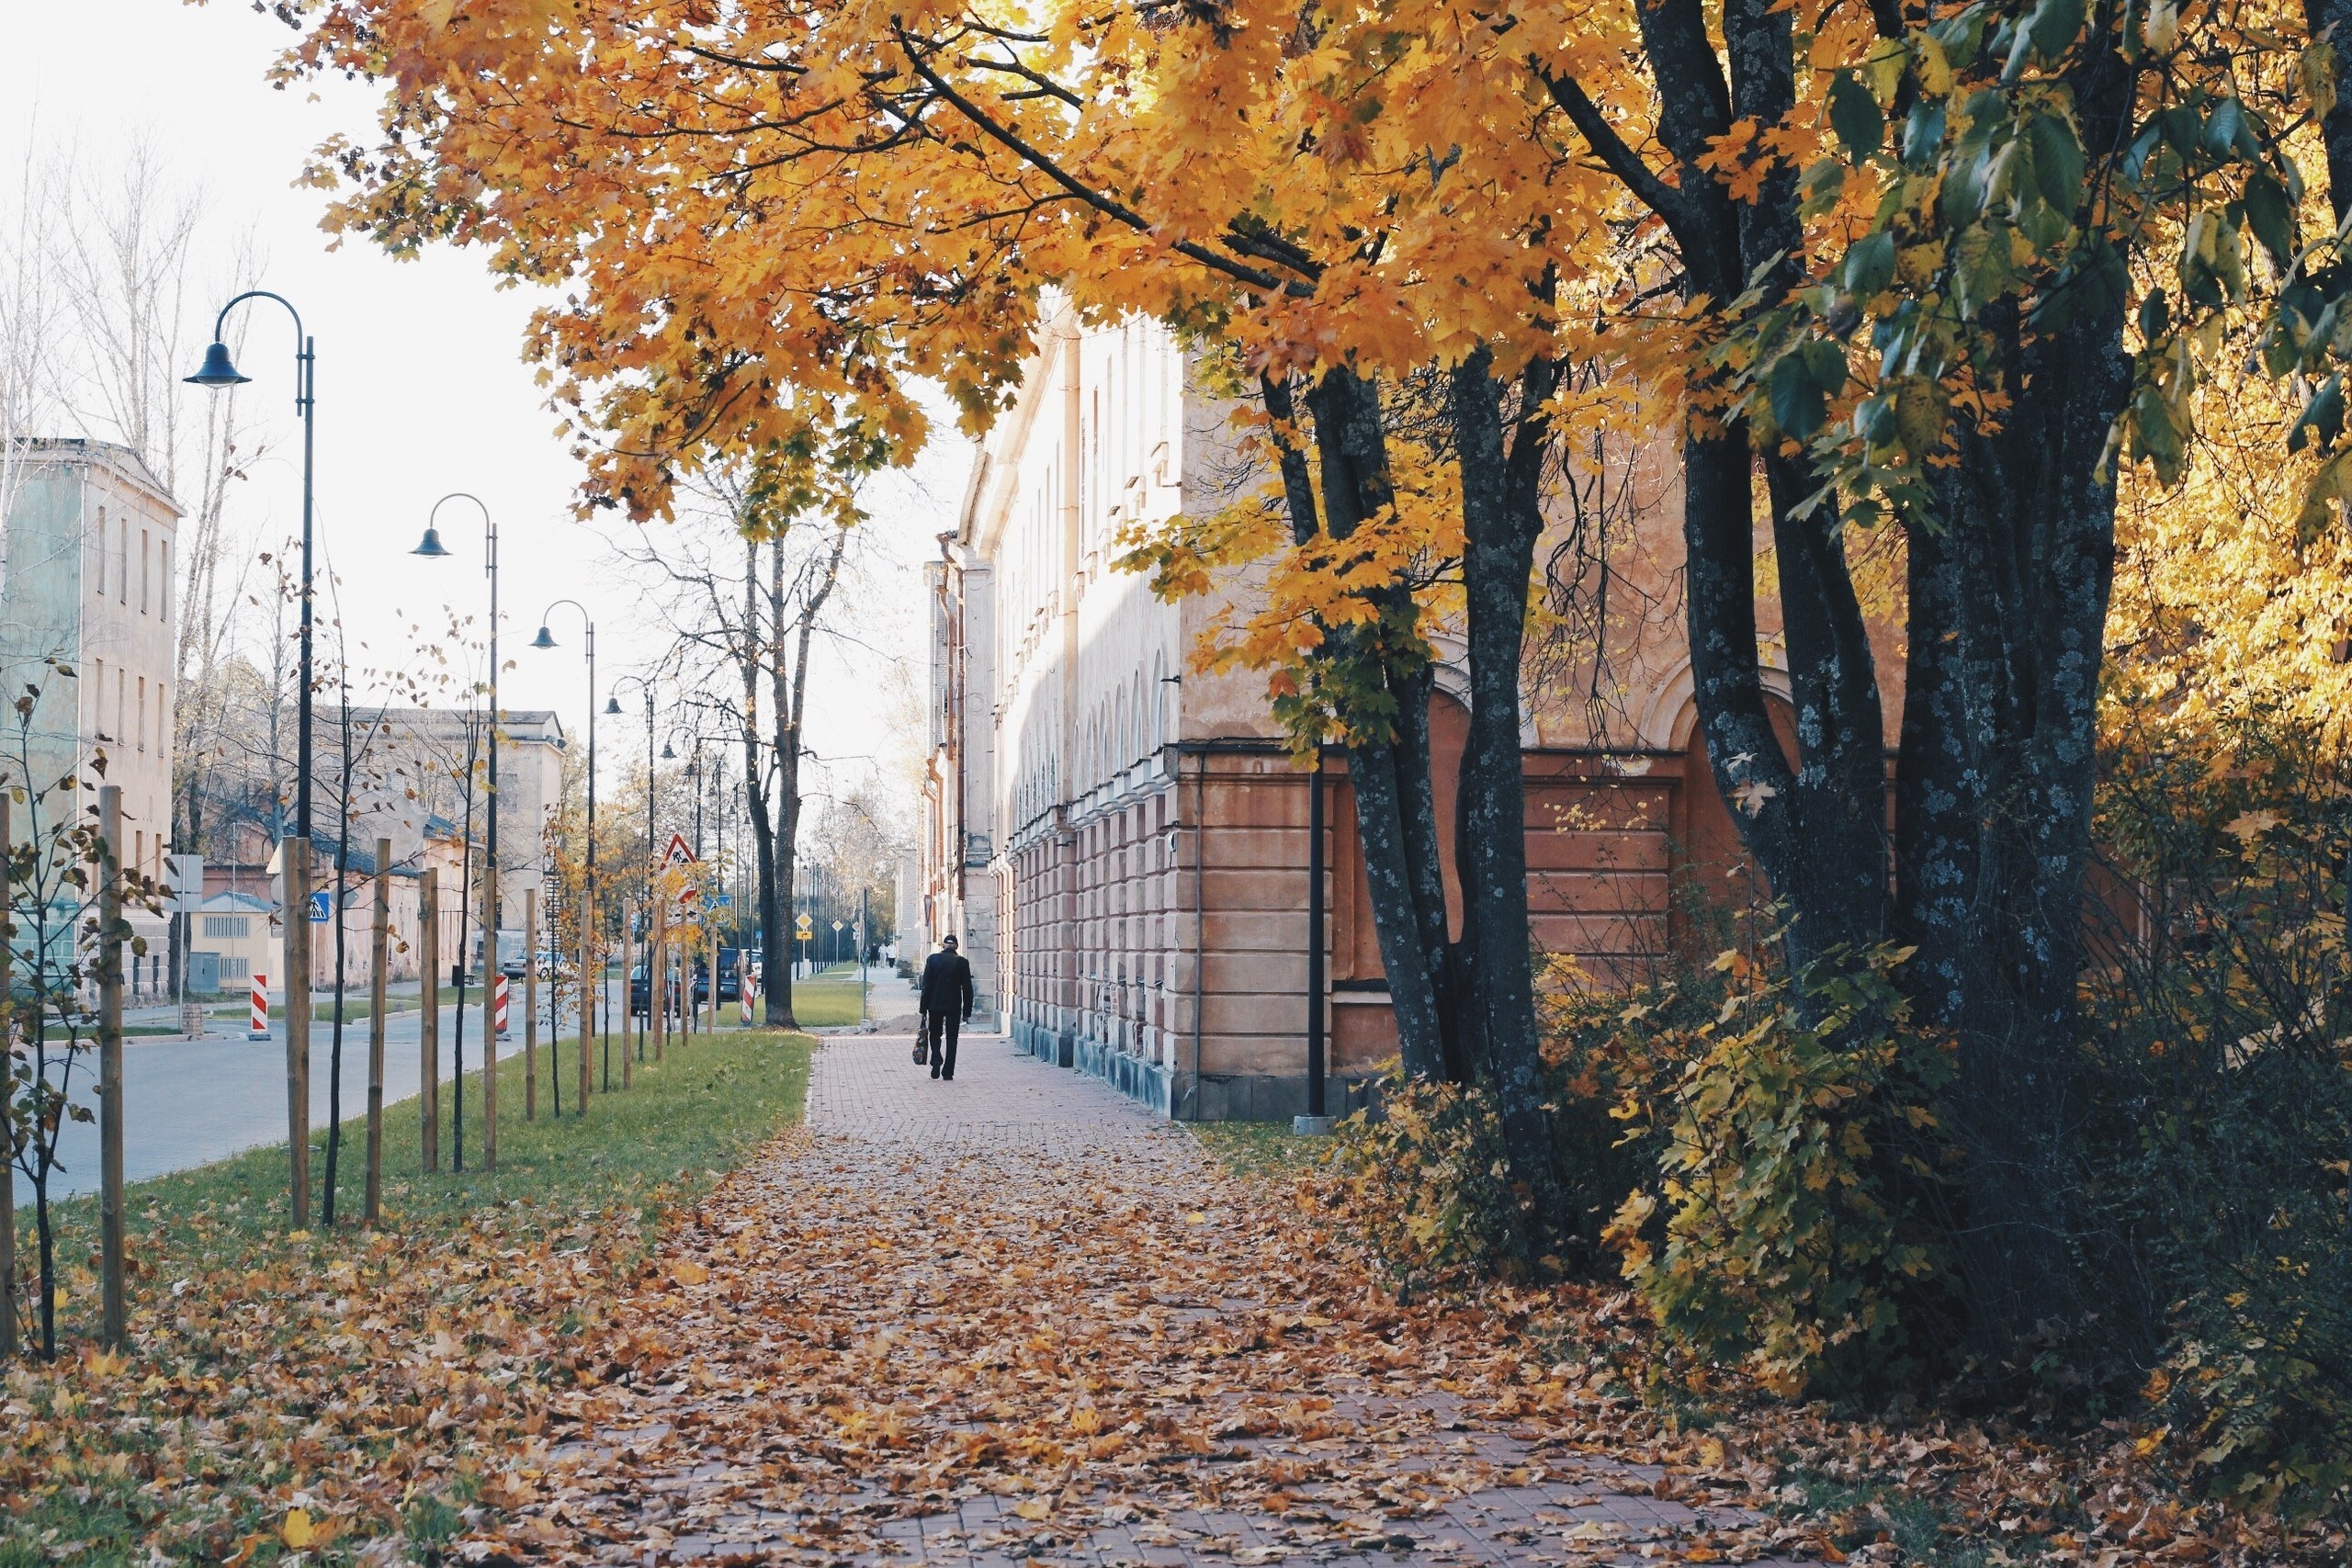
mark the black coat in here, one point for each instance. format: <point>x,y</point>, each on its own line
<point>948,984</point>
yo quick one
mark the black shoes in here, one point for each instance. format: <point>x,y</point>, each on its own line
<point>934,1072</point>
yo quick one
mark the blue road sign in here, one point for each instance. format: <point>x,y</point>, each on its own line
<point>321,908</point>
<point>724,898</point>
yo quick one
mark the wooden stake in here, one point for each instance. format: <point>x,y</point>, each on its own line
<point>294,856</point>
<point>531,1015</point>
<point>379,957</point>
<point>110,931</point>
<point>492,972</point>
<point>428,1056</point>
<point>657,975</point>
<point>587,988</point>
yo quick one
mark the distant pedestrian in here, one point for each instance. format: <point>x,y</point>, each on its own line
<point>946,1000</point>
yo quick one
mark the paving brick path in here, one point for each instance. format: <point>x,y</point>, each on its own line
<point>1389,1473</point>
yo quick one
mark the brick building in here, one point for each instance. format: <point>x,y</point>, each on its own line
<point>1121,842</point>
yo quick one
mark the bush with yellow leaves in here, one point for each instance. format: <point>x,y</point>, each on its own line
<point>1793,1226</point>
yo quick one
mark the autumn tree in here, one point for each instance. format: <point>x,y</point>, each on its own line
<point>1936,271</point>
<point>1017,157</point>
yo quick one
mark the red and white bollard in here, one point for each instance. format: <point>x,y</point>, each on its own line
<point>498,1005</point>
<point>259,1028</point>
<point>744,989</point>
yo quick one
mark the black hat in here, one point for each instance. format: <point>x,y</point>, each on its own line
<point>947,941</point>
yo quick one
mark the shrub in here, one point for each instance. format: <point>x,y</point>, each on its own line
<point>1789,1230</point>
<point>2219,1101</point>
<point>1424,1182</point>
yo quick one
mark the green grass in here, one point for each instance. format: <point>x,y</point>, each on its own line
<point>1857,1513</point>
<point>828,1001</point>
<point>1265,1149</point>
<point>685,1122</point>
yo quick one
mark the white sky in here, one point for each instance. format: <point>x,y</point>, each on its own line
<point>422,387</point>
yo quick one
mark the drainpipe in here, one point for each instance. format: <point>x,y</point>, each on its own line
<point>1199,917</point>
<point>1315,940</point>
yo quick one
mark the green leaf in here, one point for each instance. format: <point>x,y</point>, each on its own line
<point>1923,133</point>
<point>2268,214</point>
<point>1819,187</point>
<point>1854,116</point>
<point>1825,360</point>
<point>2057,162</point>
<point>1981,263</point>
<point>2226,130</point>
<point>2322,416</point>
<point>1870,265</point>
<point>1797,400</point>
<point>2155,315</point>
<point>2054,26</point>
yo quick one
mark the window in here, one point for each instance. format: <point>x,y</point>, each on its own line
<point>142,730</point>
<point>98,697</point>
<point>228,925</point>
<point>122,563</point>
<point>142,571</point>
<point>139,849</point>
<point>121,701</point>
<point>236,968</point>
<point>166,549</point>
<point>102,552</point>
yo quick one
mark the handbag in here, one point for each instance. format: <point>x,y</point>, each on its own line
<point>922,1039</point>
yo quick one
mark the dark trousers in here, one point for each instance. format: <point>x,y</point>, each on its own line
<point>939,1028</point>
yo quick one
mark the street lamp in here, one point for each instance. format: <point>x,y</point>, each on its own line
<point>219,374</point>
<point>613,708</point>
<point>546,639</point>
<point>431,549</point>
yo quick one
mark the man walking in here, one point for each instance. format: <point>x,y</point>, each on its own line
<point>946,998</point>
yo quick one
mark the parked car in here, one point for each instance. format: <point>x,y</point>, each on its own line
<point>641,992</point>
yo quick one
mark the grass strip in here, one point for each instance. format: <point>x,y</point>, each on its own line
<point>1261,1149</point>
<point>332,1373</point>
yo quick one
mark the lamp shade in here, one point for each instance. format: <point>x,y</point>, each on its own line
<point>545,639</point>
<point>431,546</point>
<point>612,704</point>
<point>668,755</point>
<point>217,372</point>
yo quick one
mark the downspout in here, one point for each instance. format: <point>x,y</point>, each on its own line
<point>1074,479</point>
<point>1200,916</point>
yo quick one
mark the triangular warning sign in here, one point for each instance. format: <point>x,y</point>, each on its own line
<point>677,853</point>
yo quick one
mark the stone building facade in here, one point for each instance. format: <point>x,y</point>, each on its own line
<point>88,619</point>
<point>1121,842</point>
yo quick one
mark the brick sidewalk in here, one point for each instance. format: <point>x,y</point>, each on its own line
<point>867,1088</point>
<point>905,1176</point>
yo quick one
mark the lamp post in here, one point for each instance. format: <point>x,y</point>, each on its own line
<point>430,547</point>
<point>218,373</point>
<point>613,708</point>
<point>546,639</point>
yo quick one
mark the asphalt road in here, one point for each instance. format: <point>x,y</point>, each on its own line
<point>189,1102</point>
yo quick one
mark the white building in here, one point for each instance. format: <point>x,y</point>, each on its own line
<point>88,623</point>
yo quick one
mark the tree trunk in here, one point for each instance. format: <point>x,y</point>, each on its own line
<point>1999,766</point>
<point>1502,518</point>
